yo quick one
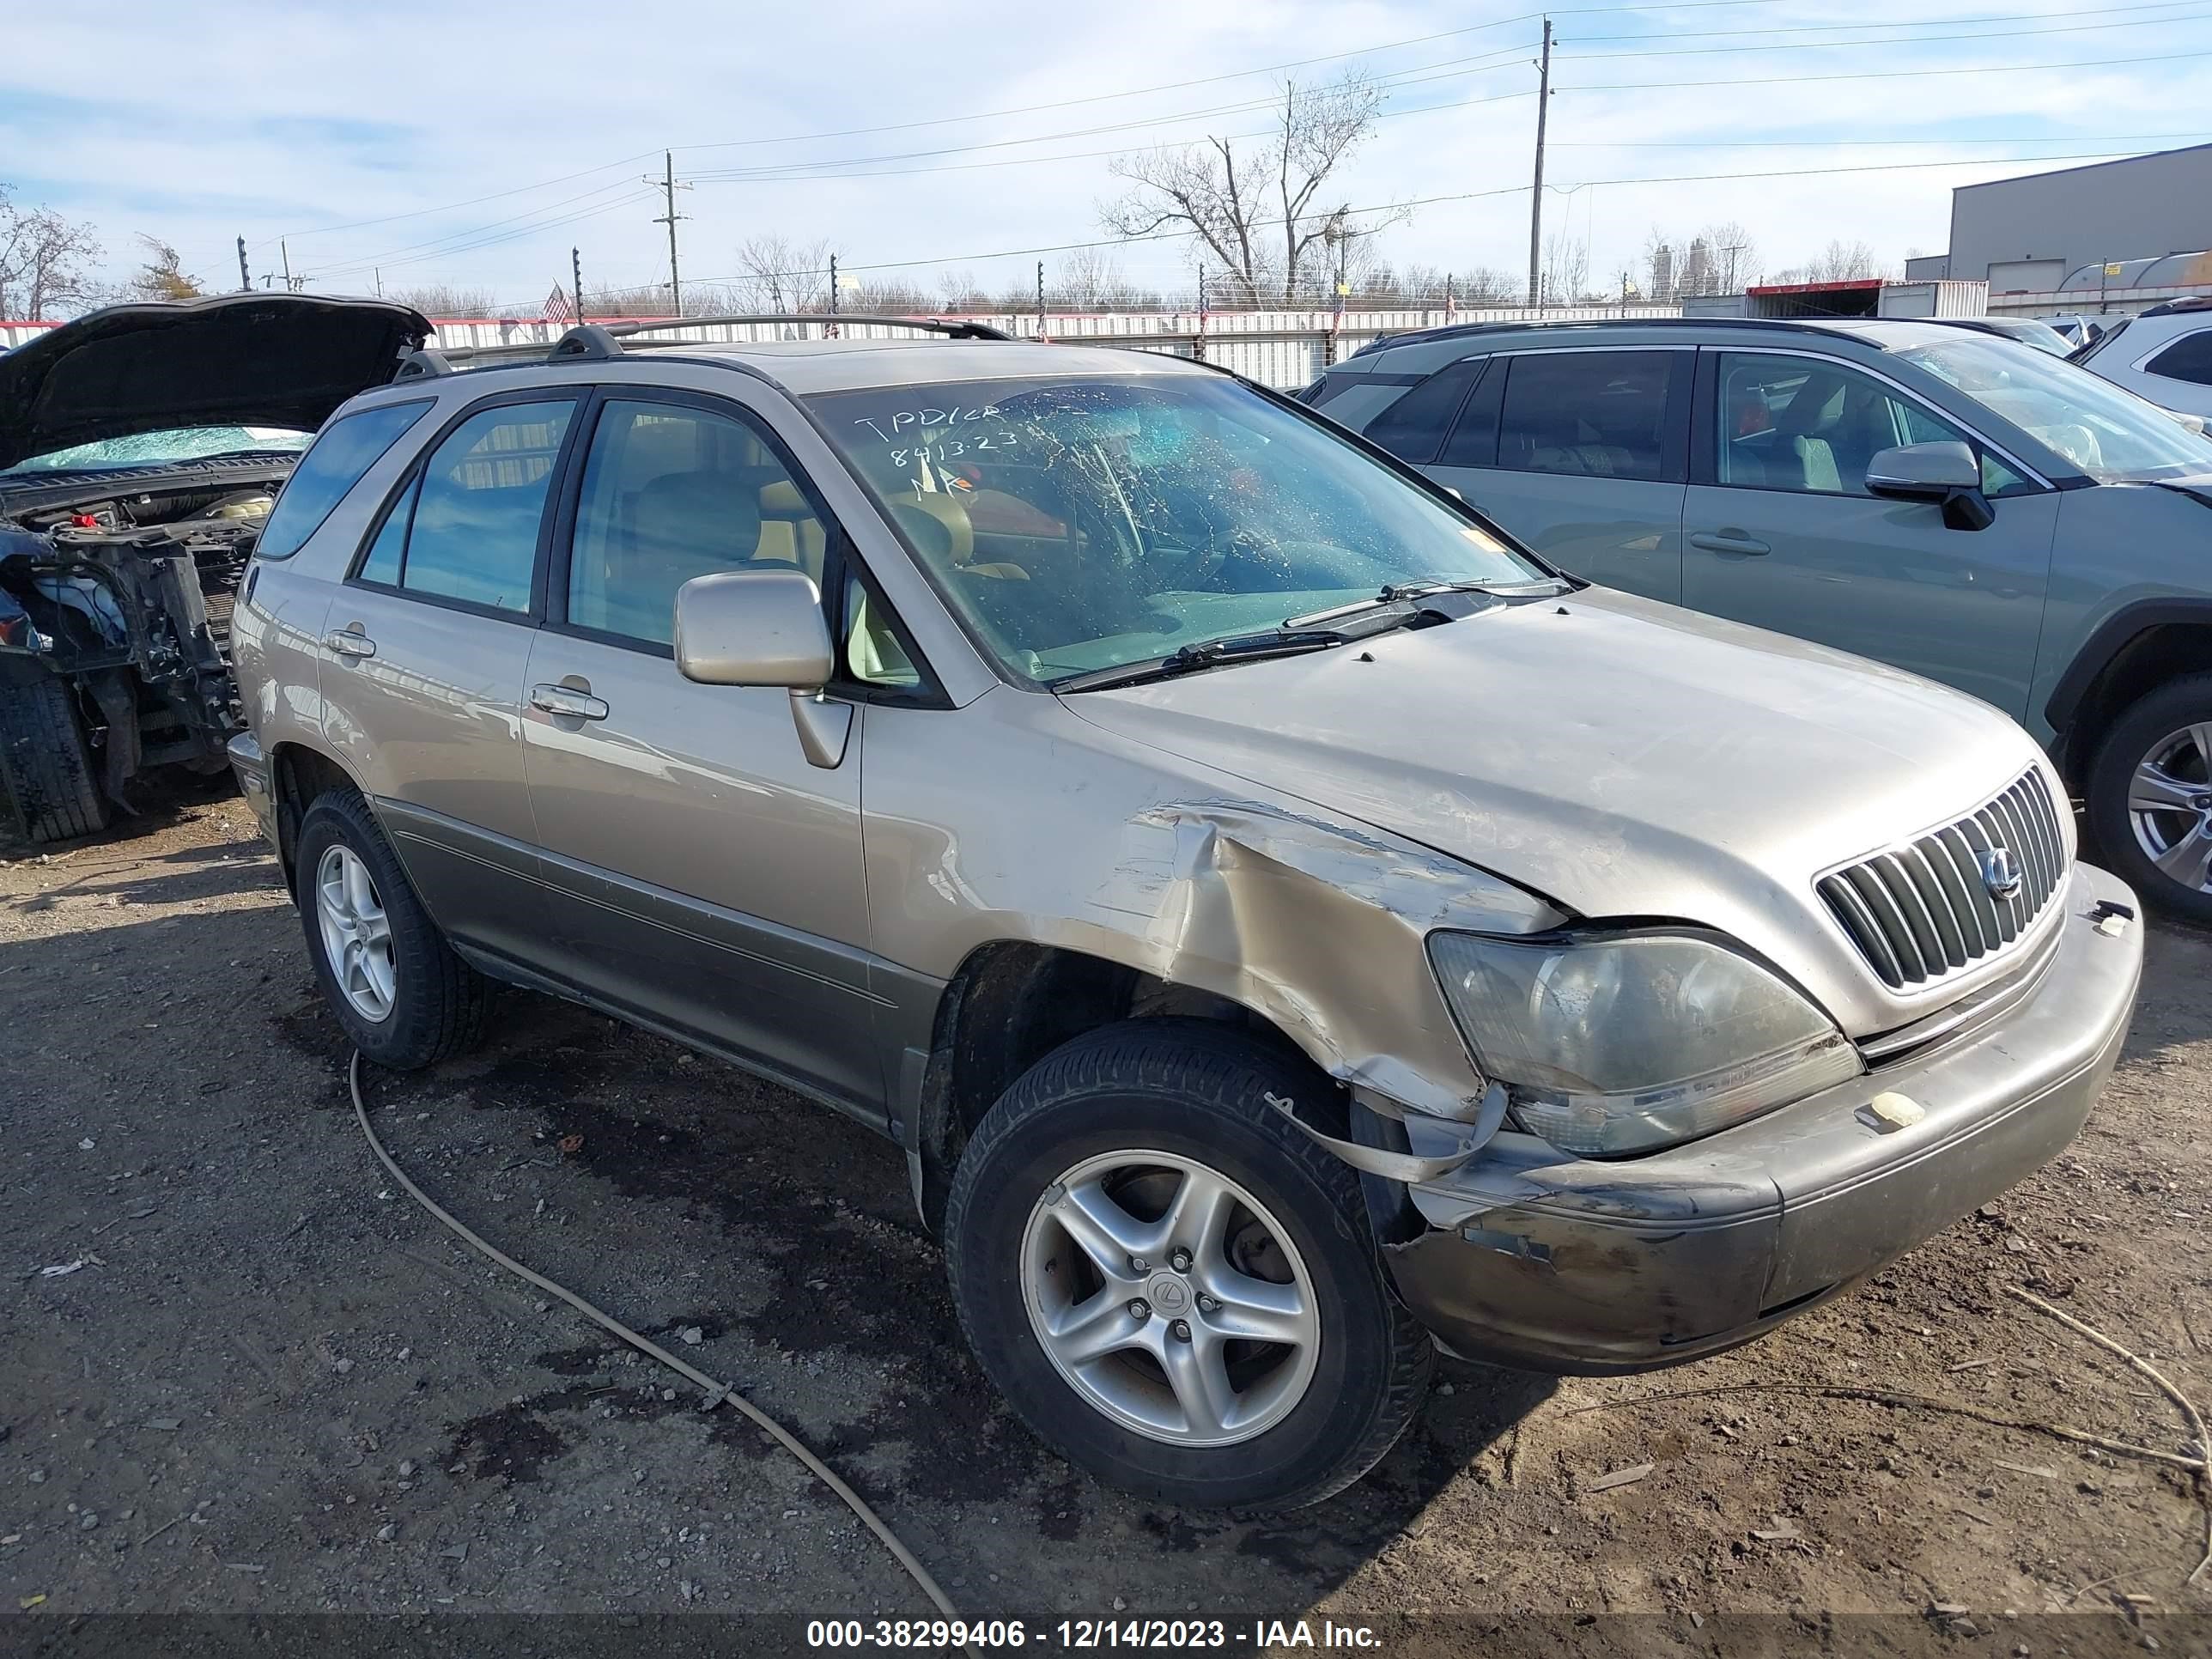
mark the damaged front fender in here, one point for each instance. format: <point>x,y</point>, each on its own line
<point>1316,924</point>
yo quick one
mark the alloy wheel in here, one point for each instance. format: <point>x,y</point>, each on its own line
<point>356,934</point>
<point>2170,805</point>
<point>1170,1298</point>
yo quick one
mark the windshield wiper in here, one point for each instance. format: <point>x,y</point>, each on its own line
<point>1405,599</point>
<point>1206,654</point>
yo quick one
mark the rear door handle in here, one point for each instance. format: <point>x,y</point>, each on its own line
<point>1729,541</point>
<point>565,700</point>
<point>349,642</point>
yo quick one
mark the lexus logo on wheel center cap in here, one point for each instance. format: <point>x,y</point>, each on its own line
<point>2000,874</point>
<point>1169,1294</point>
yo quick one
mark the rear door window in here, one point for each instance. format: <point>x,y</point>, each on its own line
<point>349,446</point>
<point>1591,414</point>
<point>472,516</point>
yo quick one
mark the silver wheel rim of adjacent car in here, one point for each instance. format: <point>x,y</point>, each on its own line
<point>356,934</point>
<point>2170,805</point>
<point>1136,1270</point>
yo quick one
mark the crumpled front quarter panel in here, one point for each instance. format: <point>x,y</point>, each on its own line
<point>1011,820</point>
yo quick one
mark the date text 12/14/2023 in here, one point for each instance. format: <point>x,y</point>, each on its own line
<point>1259,1636</point>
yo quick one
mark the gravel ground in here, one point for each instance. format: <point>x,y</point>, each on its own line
<point>275,1386</point>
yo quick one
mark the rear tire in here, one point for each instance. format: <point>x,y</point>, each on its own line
<point>405,998</point>
<point>2149,798</point>
<point>1130,1365</point>
<point>45,764</point>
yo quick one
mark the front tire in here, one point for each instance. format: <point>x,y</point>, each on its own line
<point>1171,1285</point>
<point>405,998</point>
<point>45,764</point>
<point>2149,798</point>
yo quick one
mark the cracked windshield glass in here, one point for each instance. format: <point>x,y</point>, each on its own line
<point>1082,524</point>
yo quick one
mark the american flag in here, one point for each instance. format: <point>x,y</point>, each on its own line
<point>558,308</point>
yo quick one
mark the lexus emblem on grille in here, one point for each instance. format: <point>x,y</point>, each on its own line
<point>2000,874</point>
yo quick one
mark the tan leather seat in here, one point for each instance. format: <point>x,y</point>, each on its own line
<point>942,510</point>
<point>790,533</point>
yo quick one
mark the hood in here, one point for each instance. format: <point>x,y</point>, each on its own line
<point>240,360</point>
<point>2197,488</point>
<point>1621,758</point>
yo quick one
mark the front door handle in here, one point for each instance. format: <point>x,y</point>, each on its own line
<point>565,700</point>
<point>349,642</point>
<point>1729,541</point>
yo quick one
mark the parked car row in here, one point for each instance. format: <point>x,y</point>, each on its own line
<point>1955,504</point>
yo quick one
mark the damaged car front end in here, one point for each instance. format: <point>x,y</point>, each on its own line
<point>141,451</point>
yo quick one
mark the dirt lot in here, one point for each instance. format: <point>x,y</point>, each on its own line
<point>275,1385</point>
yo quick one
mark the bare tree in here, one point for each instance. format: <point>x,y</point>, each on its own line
<point>1486,285</point>
<point>443,300</point>
<point>162,277</point>
<point>1735,254</point>
<point>1564,275</point>
<point>1842,262</point>
<point>780,275</point>
<point>46,261</point>
<point>1258,211</point>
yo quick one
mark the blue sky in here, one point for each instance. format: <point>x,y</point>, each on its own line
<point>473,144</point>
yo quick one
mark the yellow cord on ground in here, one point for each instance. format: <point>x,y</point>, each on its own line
<point>717,1393</point>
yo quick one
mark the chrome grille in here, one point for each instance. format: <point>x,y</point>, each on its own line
<point>1923,910</point>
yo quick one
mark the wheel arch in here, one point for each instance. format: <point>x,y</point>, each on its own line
<point>298,775</point>
<point>1009,1004</point>
<point>2133,652</point>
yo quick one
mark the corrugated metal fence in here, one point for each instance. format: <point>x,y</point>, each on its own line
<point>1284,348</point>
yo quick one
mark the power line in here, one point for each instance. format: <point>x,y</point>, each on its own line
<point>947,260</point>
<point>1890,74</point>
<point>1856,143</point>
<point>1233,75</point>
<point>1899,23</point>
<point>1891,41</point>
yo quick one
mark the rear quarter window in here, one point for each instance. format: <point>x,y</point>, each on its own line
<point>348,448</point>
<point>2189,358</point>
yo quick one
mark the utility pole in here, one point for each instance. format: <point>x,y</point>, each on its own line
<point>1198,352</point>
<point>286,252</point>
<point>1536,197</point>
<point>576,279</point>
<point>1732,251</point>
<point>830,330</point>
<point>244,277</point>
<point>667,182</point>
<point>378,272</point>
<point>1040,298</point>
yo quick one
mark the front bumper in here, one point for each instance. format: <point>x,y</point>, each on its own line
<point>251,768</point>
<point>1538,1259</point>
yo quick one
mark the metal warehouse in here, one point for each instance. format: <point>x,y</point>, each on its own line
<point>2045,235</point>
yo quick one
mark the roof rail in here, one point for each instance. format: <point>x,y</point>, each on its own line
<point>1466,331</point>
<point>599,341</point>
<point>423,364</point>
<point>953,329</point>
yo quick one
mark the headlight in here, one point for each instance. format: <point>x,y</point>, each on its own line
<point>1614,1045</point>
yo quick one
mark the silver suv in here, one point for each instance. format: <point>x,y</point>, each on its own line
<point>1965,507</point>
<point>1287,924</point>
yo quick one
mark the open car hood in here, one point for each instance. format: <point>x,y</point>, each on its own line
<point>239,360</point>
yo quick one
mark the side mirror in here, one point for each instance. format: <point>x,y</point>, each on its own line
<point>1945,474</point>
<point>753,628</point>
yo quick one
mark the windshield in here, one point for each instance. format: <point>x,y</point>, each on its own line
<point>188,443</point>
<point>2109,433</point>
<point>1083,524</point>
